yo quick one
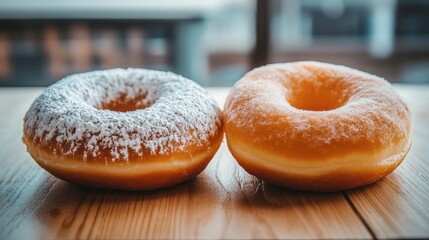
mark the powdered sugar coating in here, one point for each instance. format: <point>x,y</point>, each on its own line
<point>68,119</point>
<point>372,117</point>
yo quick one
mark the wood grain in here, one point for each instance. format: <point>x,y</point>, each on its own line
<point>222,202</point>
<point>398,205</point>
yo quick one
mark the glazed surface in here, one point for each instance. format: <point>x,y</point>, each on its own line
<point>369,115</point>
<point>316,126</point>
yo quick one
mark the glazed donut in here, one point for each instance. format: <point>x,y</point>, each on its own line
<point>129,129</point>
<point>316,126</point>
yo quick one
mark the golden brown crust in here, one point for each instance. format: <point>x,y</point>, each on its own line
<point>323,175</point>
<point>143,174</point>
<point>310,115</point>
<point>130,129</point>
<point>81,116</point>
<point>335,181</point>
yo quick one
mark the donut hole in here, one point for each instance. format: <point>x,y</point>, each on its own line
<point>310,97</point>
<point>124,103</point>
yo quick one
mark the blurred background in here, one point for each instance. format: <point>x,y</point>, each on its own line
<point>213,42</point>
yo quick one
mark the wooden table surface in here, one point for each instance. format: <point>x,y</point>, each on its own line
<point>222,202</point>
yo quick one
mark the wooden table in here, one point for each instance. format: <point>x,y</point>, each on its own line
<point>222,202</point>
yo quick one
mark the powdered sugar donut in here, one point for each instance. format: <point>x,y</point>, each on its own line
<point>316,126</point>
<point>129,129</point>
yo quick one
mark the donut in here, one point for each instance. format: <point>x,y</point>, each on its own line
<point>316,126</point>
<point>126,129</point>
